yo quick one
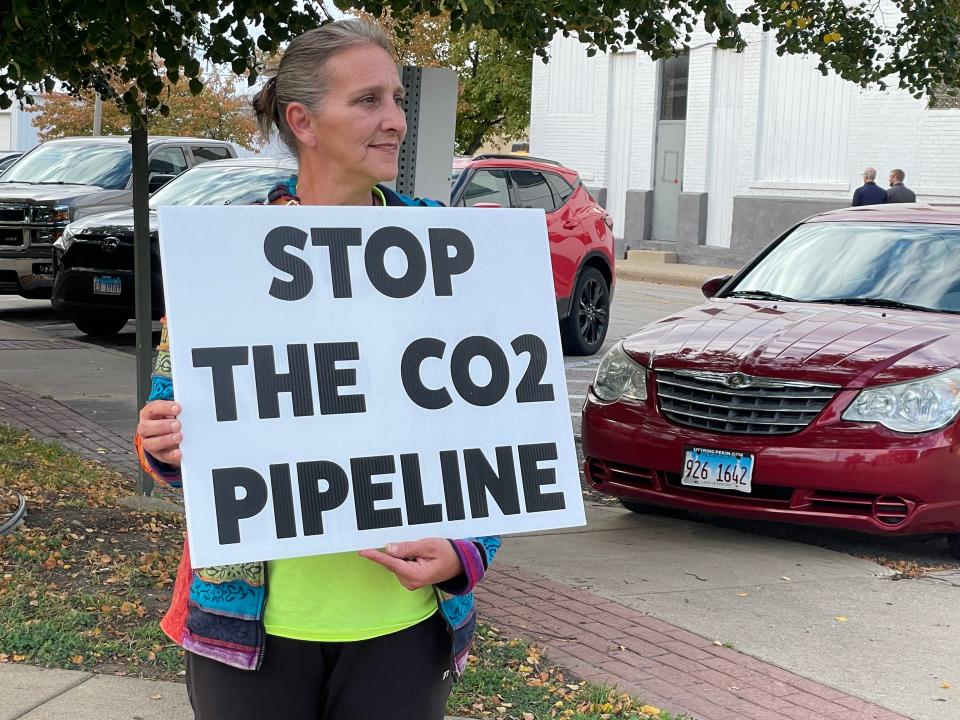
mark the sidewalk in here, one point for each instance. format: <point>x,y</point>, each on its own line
<point>590,635</point>
<point>667,273</point>
<point>30,693</point>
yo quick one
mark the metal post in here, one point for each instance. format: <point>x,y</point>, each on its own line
<point>97,114</point>
<point>141,274</point>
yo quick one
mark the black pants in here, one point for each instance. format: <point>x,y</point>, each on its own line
<point>403,676</point>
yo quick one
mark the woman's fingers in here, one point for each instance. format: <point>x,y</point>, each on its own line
<point>160,430</point>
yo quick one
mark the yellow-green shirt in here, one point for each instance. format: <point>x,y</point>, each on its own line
<point>340,598</point>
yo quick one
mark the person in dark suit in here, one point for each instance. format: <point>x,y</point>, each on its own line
<point>869,193</point>
<point>898,192</point>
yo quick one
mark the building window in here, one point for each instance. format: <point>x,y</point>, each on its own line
<point>673,87</point>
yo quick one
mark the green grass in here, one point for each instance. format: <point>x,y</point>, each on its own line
<point>508,679</point>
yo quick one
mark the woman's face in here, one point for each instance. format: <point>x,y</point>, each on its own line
<point>360,123</point>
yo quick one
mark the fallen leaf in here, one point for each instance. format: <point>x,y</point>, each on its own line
<point>77,659</point>
<point>840,619</point>
<point>650,710</point>
<point>156,697</point>
<point>742,594</point>
<point>946,685</point>
<point>785,578</point>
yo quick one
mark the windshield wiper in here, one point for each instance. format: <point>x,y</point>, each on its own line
<point>882,303</point>
<point>759,295</point>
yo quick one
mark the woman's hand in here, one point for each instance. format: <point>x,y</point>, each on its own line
<point>419,563</point>
<point>159,431</point>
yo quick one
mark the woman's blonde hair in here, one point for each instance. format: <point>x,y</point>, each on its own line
<point>301,75</point>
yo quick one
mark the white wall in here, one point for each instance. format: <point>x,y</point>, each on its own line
<point>796,132</point>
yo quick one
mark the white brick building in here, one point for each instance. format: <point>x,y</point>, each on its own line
<point>715,153</point>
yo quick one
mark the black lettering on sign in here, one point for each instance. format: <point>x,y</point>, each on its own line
<point>282,498</point>
<point>452,490</point>
<point>221,361</point>
<point>314,501</point>
<point>270,383</point>
<point>534,478</point>
<point>500,483</point>
<point>230,510</point>
<point>275,246</point>
<point>330,378</point>
<point>366,492</point>
<point>445,266</point>
<point>337,241</point>
<point>410,363</point>
<point>374,254</point>
<point>418,513</point>
<point>480,395</point>
<point>531,387</point>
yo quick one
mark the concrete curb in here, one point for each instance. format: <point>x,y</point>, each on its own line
<point>668,273</point>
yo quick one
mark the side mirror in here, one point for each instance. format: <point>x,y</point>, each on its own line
<point>487,205</point>
<point>712,286</point>
<point>158,180</point>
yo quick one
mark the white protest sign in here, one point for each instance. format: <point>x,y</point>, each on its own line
<point>356,376</point>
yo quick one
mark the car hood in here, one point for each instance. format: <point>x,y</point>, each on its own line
<point>37,193</point>
<point>852,347</point>
<point>120,222</point>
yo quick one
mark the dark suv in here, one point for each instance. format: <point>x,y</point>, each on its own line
<point>93,260</point>
<point>66,179</point>
<point>580,233</point>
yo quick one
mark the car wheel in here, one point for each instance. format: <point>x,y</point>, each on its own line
<point>100,323</point>
<point>647,509</point>
<point>585,328</point>
<point>954,542</point>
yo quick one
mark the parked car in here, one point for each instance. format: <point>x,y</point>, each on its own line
<point>820,385</point>
<point>8,158</point>
<point>66,179</point>
<point>93,260</point>
<point>580,233</point>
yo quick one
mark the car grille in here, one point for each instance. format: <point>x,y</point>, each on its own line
<point>739,404</point>
<point>89,252</point>
<point>13,213</point>
<point>11,237</point>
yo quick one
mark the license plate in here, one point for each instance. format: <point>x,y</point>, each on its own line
<point>106,285</point>
<point>718,469</point>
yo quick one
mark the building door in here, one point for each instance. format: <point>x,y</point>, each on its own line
<point>671,138</point>
<point>620,125</point>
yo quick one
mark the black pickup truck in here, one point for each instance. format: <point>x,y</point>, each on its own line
<point>66,179</point>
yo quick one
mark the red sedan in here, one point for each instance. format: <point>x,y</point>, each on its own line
<point>820,385</point>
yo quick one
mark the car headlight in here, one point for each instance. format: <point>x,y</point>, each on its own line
<point>911,407</point>
<point>620,377</point>
<point>64,241</point>
<point>54,214</point>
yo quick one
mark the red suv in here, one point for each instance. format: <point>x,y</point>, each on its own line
<point>820,385</point>
<point>580,232</point>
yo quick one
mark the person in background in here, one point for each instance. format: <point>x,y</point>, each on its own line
<point>898,192</point>
<point>869,193</point>
<point>374,635</point>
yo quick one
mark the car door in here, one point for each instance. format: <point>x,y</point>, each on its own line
<point>166,163</point>
<point>564,229</point>
<point>486,185</point>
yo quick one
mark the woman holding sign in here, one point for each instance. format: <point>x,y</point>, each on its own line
<point>351,636</point>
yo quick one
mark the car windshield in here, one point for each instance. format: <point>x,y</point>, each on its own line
<point>211,185</point>
<point>885,265</point>
<point>81,162</point>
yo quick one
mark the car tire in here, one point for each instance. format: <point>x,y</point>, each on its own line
<point>585,327</point>
<point>954,542</point>
<point>100,323</point>
<point>647,509</point>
